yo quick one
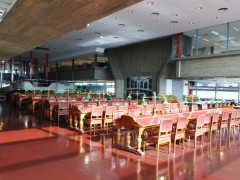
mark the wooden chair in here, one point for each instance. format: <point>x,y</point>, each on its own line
<point>63,110</point>
<point>183,109</point>
<point>232,120</point>
<point>194,107</point>
<point>204,106</point>
<point>174,110</point>
<point>123,108</point>
<point>179,131</point>
<point>151,107</point>
<point>162,136</point>
<point>197,130</point>
<point>166,110</point>
<point>214,124</point>
<point>134,112</point>
<point>224,121</point>
<point>237,122</point>
<point>108,116</point>
<point>94,119</point>
<point>146,112</point>
<point>207,124</point>
<point>158,109</point>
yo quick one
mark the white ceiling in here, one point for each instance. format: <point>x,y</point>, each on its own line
<point>139,25</point>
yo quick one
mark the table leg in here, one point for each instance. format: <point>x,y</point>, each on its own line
<point>118,135</point>
<point>139,140</point>
<point>128,138</point>
<point>81,123</point>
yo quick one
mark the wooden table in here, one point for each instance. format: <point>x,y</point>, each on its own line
<point>76,115</point>
<point>138,125</point>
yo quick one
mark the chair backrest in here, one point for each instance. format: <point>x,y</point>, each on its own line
<point>233,114</point>
<point>175,110</point>
<point>124,108</point>
<point>117,103</point>
<point>146,112</point>
<point>200,120</point>
<point>77,104</point>
<point>104,104</point>
<point>133,102</point>
<point>194,107</point>
<point>166,126</point>
<point>158,107</point>
<point>109,110</point>
<point>215,117</point>
<point>150,106</point>
<point>183,109</point>
<point>181,123</point>
<point>204,106</point>
<point>238,113</point>
<point>225,115</point>
<point>92,105</point>
<point>165,110</point>
<point>63,105</point>
<point>97,111</point>
<point>134,112</point>
<point>187,108</point>
<point>117,114</point>
<point>207,119</point>
<point>125,103</point>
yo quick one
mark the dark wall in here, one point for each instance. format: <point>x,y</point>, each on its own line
<point>146,58</point>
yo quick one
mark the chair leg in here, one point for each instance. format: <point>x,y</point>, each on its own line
<point>169,146</point>
<point>183,143</point>
<point>195,139</point>
<point>157,149</point>
<point>174,144</point>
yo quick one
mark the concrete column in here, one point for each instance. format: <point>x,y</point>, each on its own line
<point>178,89</point>
<point>119,88</point>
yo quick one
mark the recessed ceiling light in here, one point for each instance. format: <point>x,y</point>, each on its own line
<point>215,33</point>
<point>156,31</point>
<point>215,17</point>
<point>130,11</point>
<point>174,22</point>
<point>121,24</point>
<point>88,25</point>
<point>174,15</point>
<point>155,13</point>
<point>97,33</point>
<point>223,9</point>
<point>172,27</point>
<point>138,25</point>
<point>101,36</point>
<point>140,30</point>
<point>199,8</point>
<point>124,29</point>
<point>101,23</point>
<point>191,23</point>
<point>155,20</point>
<point>150,3</point>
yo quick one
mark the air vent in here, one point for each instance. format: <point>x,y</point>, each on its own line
<point>223,9</point>
<point>155,13</point>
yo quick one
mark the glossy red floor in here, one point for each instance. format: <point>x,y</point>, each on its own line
<point>33,149</point>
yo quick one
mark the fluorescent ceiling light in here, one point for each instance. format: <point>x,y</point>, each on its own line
<point>205,39</point>
<point>214,32</point>
<point>236,29</point>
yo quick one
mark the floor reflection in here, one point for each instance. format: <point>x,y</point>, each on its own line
<point>28,144</point>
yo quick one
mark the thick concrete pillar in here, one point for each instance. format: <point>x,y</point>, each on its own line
<point>119,88</point>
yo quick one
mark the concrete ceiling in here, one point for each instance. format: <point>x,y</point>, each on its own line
<point>56,26</point>
<point>31,23</point>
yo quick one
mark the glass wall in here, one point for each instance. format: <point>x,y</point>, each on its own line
<point>220,39</point>
<point>228,91</point>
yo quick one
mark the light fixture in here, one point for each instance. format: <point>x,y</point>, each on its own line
<point>185,100</point>
<point>199,8</point>
<point>121,24</point>
<point>155,20</point>
<point>205,39</point>
<point>174,15</point>
<point>174,22</point>
<point>88,25</point>
<point>223,9</point>
<point>101,23</point>
<point>97,33</point>
<point>115,37</point>
<point>236,29</point>
<point>191,23</point>
<point>172,27</point>
<point>138,25</point>
<point>150,3</point>
<point>155,13</point>
<point>101,36</point>
<point>198,100</point>
<point>165,101</point>
<point>215,33</point>
<point>215,17</point>
<point>143,102</point>
<point>140,30</point>
<point>129,96</point>
<point>130,11</point>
